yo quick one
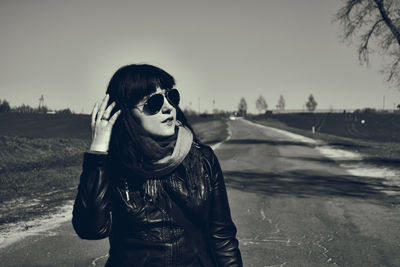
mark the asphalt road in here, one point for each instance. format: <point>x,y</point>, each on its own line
<point>292,207</point>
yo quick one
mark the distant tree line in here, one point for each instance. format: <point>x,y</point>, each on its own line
<point>5,107</point>
<point>262,105</point>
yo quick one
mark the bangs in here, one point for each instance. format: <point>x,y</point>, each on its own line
<point>132,83</point>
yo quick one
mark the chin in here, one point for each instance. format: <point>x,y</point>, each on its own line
<point>165,131</point>
<point>169,132</point>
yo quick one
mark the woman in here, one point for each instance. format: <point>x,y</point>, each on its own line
<point>149,184</point>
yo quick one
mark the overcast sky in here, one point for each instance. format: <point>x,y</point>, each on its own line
<point>216,50</point>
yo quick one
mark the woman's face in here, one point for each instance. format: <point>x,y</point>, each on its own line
<point>161,124</point>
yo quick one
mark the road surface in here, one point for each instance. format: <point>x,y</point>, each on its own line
<point>292,207</point>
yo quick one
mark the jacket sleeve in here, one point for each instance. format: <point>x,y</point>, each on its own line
<point>222,229</point>
<point>91,216</point>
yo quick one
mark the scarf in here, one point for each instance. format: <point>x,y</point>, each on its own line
<point>160,167</point>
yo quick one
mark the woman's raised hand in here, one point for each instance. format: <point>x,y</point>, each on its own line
<point>102,125</point>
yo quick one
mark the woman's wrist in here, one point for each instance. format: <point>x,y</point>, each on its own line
<point>97,152</point>
<point>101,148</point>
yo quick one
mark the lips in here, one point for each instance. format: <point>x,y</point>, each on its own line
<point>168,119</point>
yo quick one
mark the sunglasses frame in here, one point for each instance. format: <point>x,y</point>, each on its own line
<point>164,95</point>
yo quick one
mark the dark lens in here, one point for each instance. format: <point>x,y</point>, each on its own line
<point>173,97</point>
<point>154,104</point>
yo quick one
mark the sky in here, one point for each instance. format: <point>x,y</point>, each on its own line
<point>218,51</point>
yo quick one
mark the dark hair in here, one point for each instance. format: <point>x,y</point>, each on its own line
<point>131,83</point>
<point>127,87</point>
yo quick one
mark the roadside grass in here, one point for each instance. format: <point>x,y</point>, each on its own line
<point>45,125</point>
<point>381,150</point>
<point>32,169</point>
<point>40,173</point>
<point>211,131</point>
<point>40,193</point>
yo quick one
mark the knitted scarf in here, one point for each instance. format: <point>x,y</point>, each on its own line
<point>159,167</point>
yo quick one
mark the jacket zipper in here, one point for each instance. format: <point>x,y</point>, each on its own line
<point>127,191</point>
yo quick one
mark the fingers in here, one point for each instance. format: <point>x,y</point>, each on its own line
<point>114,118</point>
<point>102,108</point>
<point>107,112</point>
<point>101,114</point>
<point>94,113</point>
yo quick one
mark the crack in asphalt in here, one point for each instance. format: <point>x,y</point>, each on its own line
<point>253,241</point>
<point>262,214</point>
<point>277,265</point>
<point>325,251</point>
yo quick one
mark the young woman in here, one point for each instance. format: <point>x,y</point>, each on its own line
<point>149,184</point>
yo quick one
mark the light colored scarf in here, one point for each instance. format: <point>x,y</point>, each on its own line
<point>167,164</point>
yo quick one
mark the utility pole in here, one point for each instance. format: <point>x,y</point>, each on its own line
<point>213,105</point>
<point>199,105</point>
<point>41,102</point>
<point>383,102</point>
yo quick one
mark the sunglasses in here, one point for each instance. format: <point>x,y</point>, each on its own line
<point>154,103</point>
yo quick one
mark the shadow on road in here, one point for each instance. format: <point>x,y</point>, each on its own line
<point>292,143</point>
<point>368,160</point>
<point>345,145</point>
<point>307,184</point>
<point>268,142</point>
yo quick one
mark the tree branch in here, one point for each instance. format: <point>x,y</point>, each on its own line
<point>393,68</point>
<point>378,19</point>
<point>344,17</point>
<point>387,20</point>
<point>363,50</point>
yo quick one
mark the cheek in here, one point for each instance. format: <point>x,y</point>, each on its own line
<point>153,125</point>
<point>137,116</point>
<point>150,124</point>
<point>144,121</point>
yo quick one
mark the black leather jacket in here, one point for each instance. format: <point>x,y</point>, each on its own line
<point>182,219</point>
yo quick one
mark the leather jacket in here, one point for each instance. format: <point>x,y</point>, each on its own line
<point>182,219</point>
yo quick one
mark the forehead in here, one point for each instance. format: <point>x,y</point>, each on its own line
<point>159,90</point>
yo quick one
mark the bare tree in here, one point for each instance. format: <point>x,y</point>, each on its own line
<point>311,104</point>
<point>242,107</point>
<point>374,22</point>
<point>64,111</point>
<point>261,104</point>
<point>4,106</point>
<point>281,103</point>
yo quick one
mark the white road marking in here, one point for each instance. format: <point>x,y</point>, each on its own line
<point>215,146</point>
<point>99,258</point>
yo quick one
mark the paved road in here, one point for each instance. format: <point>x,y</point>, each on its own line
<point>292,207</point>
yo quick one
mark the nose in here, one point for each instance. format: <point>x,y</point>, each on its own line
<point>167,107</point>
